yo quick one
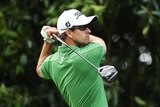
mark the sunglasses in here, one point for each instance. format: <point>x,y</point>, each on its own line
<point>81,28</point>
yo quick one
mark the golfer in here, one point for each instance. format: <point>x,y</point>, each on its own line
<point>78,82</point>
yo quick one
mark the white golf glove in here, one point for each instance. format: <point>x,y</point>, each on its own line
<point>45,36</point>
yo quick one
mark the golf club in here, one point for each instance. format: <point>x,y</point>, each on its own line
<point>107,71</point>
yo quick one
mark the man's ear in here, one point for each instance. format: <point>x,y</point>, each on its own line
<point>68,32</point>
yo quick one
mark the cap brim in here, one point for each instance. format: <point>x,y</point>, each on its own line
<point>94,19</point>
<point>86,20</point>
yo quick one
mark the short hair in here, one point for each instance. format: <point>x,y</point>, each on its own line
<point>63,36</point>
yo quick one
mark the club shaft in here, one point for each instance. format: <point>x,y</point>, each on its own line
<point>64,43</point>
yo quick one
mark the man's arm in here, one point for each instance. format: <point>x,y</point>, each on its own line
<point>45,52</point>
<point>97,40</point>
<point>47,46</point>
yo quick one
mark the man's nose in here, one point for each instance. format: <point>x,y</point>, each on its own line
<point>88,30</point>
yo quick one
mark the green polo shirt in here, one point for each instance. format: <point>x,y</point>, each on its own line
<point>78,82</point>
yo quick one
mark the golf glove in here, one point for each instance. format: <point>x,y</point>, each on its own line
<point>45,36</point>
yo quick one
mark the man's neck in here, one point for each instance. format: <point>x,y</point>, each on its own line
<point>69,41</point>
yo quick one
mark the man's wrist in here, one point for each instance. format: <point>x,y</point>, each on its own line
<point>49,40</point>
<point>47,43</point>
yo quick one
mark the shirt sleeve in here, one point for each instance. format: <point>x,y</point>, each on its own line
<point>94,52</point>
<point>45,71</point>
<point>95,45</point>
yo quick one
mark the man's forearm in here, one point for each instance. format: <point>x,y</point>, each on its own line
<point>97,40</point>
<point>45,52</point>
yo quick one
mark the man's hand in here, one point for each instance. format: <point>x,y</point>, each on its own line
<point>46,32</point>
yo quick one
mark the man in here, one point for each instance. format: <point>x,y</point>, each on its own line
<point>78,82</point>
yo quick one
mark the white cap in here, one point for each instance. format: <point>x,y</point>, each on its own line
<point>73,17</point>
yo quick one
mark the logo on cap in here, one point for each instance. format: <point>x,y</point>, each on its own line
<point>67,24</point>
<point>77,14</point>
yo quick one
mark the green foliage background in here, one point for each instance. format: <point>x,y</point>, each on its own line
<point>129,28</point>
